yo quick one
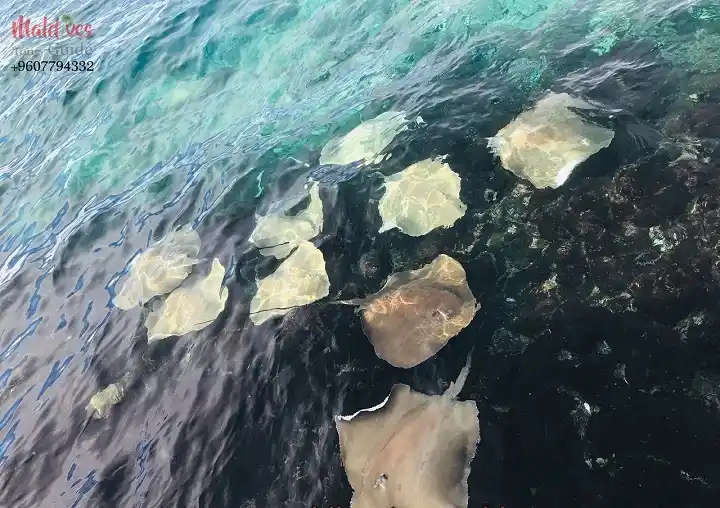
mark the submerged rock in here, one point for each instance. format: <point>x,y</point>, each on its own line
<point>366,141</point>
<point>417,312</point>
<point>422,197</point>
<point>190,309</point>
<point>277,235</point>
<point>300,280</point>
<point>545,144</point>
<point>160,269</point>
<point>412,450</point>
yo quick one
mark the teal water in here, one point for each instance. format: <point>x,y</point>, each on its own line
<point>221,85</point>
<point>200,112</point>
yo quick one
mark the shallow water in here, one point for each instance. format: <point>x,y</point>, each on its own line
<point>595,363</point>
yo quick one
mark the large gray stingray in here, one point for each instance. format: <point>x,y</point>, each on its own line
<point>413,451</point>
<point>417,312</point>
<point>160,269</point>
<point>545,144</point>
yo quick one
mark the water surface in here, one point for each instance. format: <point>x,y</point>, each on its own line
<point>595,363</point>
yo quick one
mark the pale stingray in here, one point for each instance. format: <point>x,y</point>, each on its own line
<point>160,269</point>
<point>189,309</point>
<point>417,312</point>
<point>365,142</point>
<point>101,403</point>
<point>422,197</point>
<point>300,279</point>
<point>413,451</point>
<point>277,235</point>
<point>544,145</point>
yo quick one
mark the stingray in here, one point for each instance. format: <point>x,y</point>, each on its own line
<point>545,144</point>
<point>101,403</point>
<point>160,269</point>
<point>277,235</point>
<point>300,279</point>
<point>365,142</point>
<point>412,451</point>
<point>189,309</point>
<point>417,312</point>
<point>422,197</point>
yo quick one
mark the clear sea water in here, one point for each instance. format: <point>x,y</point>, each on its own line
<point>603,390</point>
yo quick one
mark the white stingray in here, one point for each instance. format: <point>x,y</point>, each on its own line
<point>300,280</point>
<point>189,309</point>
<point>366,141</point>
<point>160,269</point>
<point>422,197</point>
<point>277,235</point>
<point>545,144</point>
<point>102,402</point>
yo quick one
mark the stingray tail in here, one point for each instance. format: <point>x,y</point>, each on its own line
<point>456,387</point>
<point>355,301</point>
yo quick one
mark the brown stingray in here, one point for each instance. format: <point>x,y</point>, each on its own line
<point>417,312</point>
<point>413,451</point>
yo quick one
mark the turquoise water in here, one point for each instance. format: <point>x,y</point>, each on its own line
<point>198,112</point>
<point>214,86</point>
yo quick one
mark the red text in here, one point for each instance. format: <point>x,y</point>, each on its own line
<point>24,27</point>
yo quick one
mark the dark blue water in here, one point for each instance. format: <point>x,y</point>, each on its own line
<point>596,360</point>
